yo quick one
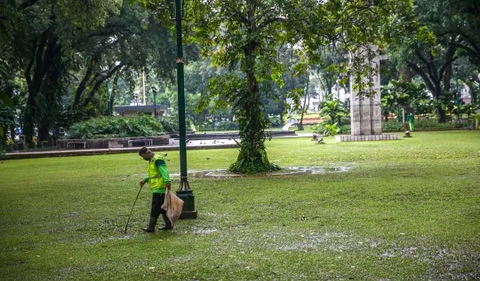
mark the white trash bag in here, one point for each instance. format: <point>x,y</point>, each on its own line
<point>173,205</point>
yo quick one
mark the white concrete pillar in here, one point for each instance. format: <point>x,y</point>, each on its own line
<point>365,112</point>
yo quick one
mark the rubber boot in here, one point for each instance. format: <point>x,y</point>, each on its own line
<point>167,225</point>
<point>151,225</point>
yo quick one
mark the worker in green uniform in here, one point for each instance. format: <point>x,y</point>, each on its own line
<point>411,120</point>
<point>159,181</point>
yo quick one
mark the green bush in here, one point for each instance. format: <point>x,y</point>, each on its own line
<point>345,129</point>
<point>275,122</point>
<point>345,120</point>
<point>327,129</point>
<point>433,124</point>
<point>169,123</point>
<point>428,124</point>
<point>113,127</point>
<point>392,126</point>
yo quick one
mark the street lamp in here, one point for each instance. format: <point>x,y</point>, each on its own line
<point>154,91</point>
<point>184,191</point>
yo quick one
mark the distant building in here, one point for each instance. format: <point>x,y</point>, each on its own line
<point>129,110</point>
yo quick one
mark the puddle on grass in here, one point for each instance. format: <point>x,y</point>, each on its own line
<point>101,240</point>
<point>197,231</point>
<point>200,231</point>
<point>288,171</point>
<point>337,242</point>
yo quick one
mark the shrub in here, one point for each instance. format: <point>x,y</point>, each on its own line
<point>275,122</point>
<point>326,129</point>
<point>344,120</point>
<point>169,123</point>
<point>345,129</point>
<point>226,125</point>
<point>112,127</point>
<point>392,126</point>
<point>433,124</point>
<point>427,124</point>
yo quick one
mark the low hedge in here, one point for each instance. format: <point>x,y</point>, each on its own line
<point>115,127</point>
<point>420,125</point>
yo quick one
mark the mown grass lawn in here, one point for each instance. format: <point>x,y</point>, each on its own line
<point>407,210</point>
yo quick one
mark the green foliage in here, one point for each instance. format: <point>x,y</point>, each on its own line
<point>6,114</point>
<point>115,127</point>
<point>345,129</point>
<point>331,130</point>
<point>232,89</point>
<point>425,125</point>
<point>66,51</point>
<point>6,119</point>
<point>393,126</point>
<point>398,94</point>
<point>434,124</point>
<point>169,123</point>
<point>332,110</point>
<point>326,129</point>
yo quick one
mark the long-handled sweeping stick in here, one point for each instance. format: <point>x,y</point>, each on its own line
<point>131,211</point>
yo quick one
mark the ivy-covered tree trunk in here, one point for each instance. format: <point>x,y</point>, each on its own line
<point>253,156</point>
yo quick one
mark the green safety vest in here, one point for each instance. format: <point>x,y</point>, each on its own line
<point>156,180</point>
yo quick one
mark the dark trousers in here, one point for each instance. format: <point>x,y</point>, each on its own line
<point>157,202</point>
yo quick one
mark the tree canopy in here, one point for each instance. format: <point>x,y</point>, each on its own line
<point>247,35</point>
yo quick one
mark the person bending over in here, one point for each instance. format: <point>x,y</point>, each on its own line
<point>159,181</point>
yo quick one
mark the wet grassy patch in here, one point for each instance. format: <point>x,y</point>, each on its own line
<point>406,210</point>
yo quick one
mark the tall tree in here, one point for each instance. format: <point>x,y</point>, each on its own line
<point>249,33</point>
<point>132,40</point>
<point>432,55</point>
<point>40,34</point>
<point>462,19</point>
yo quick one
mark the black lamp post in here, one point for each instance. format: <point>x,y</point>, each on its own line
<point>184,191</point>
<point>154,91</point>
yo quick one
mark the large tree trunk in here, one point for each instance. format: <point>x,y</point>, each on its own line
<point>300,124</point>
<point>441,116</point>
<point>43,134</point>
<point>253,156</point>
<point>44,53</point>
